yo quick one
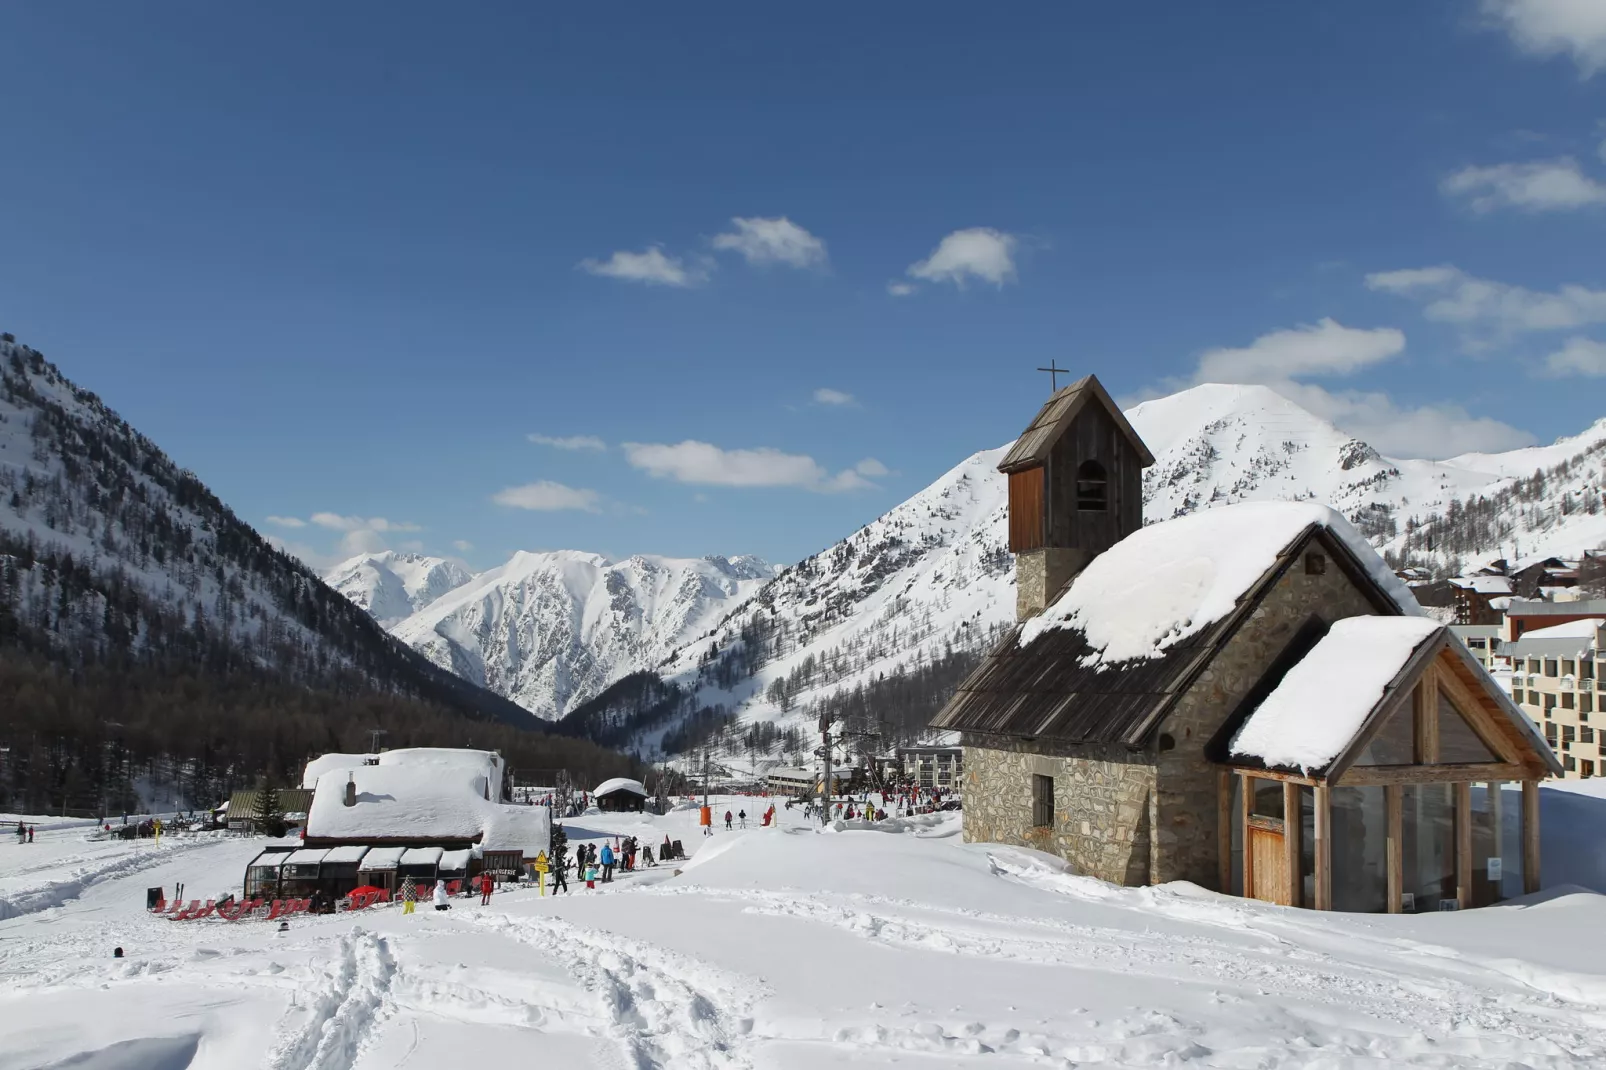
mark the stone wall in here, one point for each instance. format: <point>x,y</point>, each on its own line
<point>1185,844</point>
<point>1039,575</point>
<point>1103,802</point>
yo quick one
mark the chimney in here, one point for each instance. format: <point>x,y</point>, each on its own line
<point>351,789</point>
<point>1075,490</point>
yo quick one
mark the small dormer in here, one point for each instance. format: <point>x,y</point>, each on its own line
<point>1075,490</point>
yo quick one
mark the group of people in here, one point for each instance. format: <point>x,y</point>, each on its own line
<point>441,896</point>
<point>24,832</point>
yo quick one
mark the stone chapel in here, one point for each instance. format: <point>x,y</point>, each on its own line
<point>1244,697</point>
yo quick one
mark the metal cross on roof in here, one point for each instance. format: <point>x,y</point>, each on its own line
<point>1054,372</point>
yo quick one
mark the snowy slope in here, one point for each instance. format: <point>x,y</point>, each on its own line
<point>900,946</point>
<point>934,572</point>
<point>393,585</point>
<point>550,630</point>
<point>112,554</point>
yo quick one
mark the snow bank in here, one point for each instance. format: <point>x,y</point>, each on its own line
<point>1323,701</point>
<point>1168,581</point>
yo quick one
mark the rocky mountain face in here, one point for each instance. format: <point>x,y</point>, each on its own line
<point>551,630</point>
<point>393,585</point>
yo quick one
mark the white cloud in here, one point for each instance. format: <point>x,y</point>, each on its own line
<point>287,521</point>
<point>336,522</point>
<point>1557,185</point>
<point>462,546</point>
<point>901,289</point>
<point>651,266</point>
<point>1279,359</point>
<point>546,496</point>
<point>1578,356</point>
<point>1575,28</point>
<point>978,252</point>
<point>701,462</point>
<point>1450,295</point>
<point>1325,348</point>
<point>826,396</point>
<point>773,241</point>
<point>872,468</point>
<point>569,442</point>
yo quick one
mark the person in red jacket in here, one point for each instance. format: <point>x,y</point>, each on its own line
<point>487,885</point>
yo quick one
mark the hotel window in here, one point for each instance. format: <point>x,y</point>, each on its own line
<point>1586,734</point>
<point>1533,700</point>
<point>1568,763</point>
<point>1586,705</point>
<point>1551,668</point>
<point>1586,768</point>
<point>1566,700</point>
<point>1586,669</point>
<point>1533,665</point>
<point>1568,668</point>
<point>1042,801</point>
<point>1475,644</point>
<point>1569,732</point>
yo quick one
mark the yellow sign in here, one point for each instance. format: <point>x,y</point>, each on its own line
<point>541,862</point>
<point>541,867</point>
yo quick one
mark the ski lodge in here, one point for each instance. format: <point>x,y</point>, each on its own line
<point>1244,697</point>
<point>621,795</point>
<point>428,813</point>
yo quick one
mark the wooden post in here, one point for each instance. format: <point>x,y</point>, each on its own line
<point>1392,796</point>
<point>1291,832</point>
<point>1530,836</point>
<point>1224,815</point>
<point>1324,848</point>
<point>1463,844</point>
<point>1246,786</point>
<point>1427,717</point>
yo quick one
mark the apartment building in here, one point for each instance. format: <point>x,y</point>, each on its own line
<point>1559,679</point>
<point>1484,642</point>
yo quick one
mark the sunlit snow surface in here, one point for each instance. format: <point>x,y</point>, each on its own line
<point>791,948</point>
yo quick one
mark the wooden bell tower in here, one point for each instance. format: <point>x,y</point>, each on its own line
<point>1075,489</point>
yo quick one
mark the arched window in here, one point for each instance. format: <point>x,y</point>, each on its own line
<point>1092,487</point>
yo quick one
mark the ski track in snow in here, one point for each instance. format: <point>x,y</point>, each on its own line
<point>665,1009</point>
<point>88,871</point>
<point>354,996</point>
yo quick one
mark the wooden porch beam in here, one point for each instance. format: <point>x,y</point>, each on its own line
<point>1324,848</point>
<point>1530,836</point>
<point>1358,776</point>
<point>1224,782</point>
<point>1291,830</point>
<point>1270,774</point>
<point>1245,801</point>
<point>1392,794</point>
<point>1463,844</point>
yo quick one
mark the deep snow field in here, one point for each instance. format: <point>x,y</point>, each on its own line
<point>792,948</point>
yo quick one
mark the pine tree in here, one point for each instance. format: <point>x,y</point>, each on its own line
<point>269,818</point>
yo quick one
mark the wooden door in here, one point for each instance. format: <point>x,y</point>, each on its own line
<point>1270,865</point>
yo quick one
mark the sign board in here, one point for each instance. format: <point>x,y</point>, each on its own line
<point>1495,868</point>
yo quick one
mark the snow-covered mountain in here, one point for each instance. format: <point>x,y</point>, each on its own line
<point>393,585</point>
<point>551,630</point>
<point>113,558</point>
<point>933,574</point>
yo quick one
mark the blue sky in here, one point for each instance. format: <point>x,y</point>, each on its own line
<point>749,277</point>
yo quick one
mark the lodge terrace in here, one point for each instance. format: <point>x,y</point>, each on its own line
<point>1244,697</point>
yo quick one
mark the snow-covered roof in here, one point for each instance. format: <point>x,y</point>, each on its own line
<point>1320,705</point>
<point>455,861</point>
<point>439,759</point>
<point>1484,584</point>
<point>1576,629</point>
<point>307,856</point>
<point>1168,581</point>
<point>619,783</point>
<point>422,856</point>
<point>399,802</point>
<point>383,857</point>
<point>525,828</point>
<point>347,855</point>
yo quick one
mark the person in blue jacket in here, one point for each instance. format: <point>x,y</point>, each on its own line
<point>607,863</point>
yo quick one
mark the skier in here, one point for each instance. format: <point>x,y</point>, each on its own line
<point>742,816</point>
<point>607,864</point>
<point>727,820</point>
<point>31,830</point>
<point>409,895</point>
<point>487,885</point>
<point>441,902</point>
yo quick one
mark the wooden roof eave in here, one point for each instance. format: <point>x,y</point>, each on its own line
<point>1519,721</point>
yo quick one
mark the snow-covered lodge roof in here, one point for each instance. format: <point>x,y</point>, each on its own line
<point>620,783</point>
<point>421,797</point>
<point>1133,629</point>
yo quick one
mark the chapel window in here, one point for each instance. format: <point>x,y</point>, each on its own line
<point>1092,487</point>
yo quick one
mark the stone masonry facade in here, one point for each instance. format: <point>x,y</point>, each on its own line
<point>1147,816</point>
